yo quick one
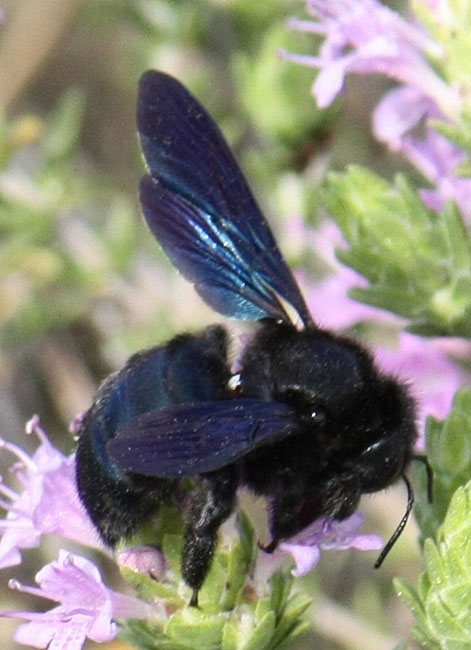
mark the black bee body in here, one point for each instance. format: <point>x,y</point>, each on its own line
<point>309,422</point>
<point>351,433</point>
<point>356,427</point>
<point>151,380</point>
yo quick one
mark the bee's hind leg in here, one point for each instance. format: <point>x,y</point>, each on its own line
<point>214,500</point>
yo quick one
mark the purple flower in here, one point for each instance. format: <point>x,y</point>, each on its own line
<point>88,609</point>
<point>334,309</point>
<point>47,503</point>
<point>433,155</point>
<point>399,111</point>
<point>365,37</point>
<point>327,535</point>
<point>434,377</point>
<point>438,160</point>
<point>76,423</point>
<point>143,559</point>
<point>305,548</point>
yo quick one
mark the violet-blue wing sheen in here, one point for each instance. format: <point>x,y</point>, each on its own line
<point>189,440</point>
<point>200,208</point>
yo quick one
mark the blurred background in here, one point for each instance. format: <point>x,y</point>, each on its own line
<point>83,284</point>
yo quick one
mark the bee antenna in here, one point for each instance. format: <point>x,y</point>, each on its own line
<point>394,537</point>
<point>422,458</point>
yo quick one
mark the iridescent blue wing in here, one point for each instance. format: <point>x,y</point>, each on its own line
<point>200,208</point>
<point>190,439</point>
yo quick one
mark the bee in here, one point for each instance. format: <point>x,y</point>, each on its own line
<point>308,421</point>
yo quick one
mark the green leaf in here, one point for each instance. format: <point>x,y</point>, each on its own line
<point>409,595</point>
<point>230,636</point>
<point>418,263</point>
<point>441,606</point>
<point>449,454</point>
<point>291,624</point>
<point>232,613</point>
<point>151,590</point>
<point>280,584</point>
<point>261,635</point>
<point>172,548</point>
<point>195,629</point>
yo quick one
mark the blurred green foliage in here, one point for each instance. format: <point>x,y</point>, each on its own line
<point>47,282</point>
<point>417,262</point>
<point>73,249</point>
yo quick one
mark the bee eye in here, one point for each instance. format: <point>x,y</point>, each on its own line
<point>382,462</point>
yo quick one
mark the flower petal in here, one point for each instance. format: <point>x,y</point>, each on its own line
<point>48,502</point>
<point>305,557</point>
<point>87,609</point>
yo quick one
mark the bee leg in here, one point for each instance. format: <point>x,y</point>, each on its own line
<point>213,503</point>
<point>341,495</point>
<point>270,547</point>
<point>194,598</point>
<point>284,516</point>
<point>292,509</point>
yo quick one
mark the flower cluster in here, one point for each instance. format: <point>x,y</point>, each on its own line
<point>366,37</point>
<point>88,609</point>
<point>47,502</point>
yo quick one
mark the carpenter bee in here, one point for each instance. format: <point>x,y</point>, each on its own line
<point>308,421</point>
